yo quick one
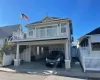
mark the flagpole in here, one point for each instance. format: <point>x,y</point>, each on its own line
<point>20,22</point>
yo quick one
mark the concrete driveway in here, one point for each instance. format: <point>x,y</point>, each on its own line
<point>38,65</point>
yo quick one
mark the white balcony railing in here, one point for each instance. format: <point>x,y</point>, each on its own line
<point>17,36</point>
<point>46,32</point>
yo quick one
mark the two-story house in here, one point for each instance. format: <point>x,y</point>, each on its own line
<point>48,34</point>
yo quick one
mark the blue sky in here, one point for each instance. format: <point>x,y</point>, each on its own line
<point>85,14</point>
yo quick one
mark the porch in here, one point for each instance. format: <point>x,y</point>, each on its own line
<point>89,61</point>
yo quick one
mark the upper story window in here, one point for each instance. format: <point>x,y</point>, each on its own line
<point>30,32</point>
<point>63,28</point>
<point>42,31</point>
<point>37,32</point>
<point>95,46</point>
<point>52,31</point>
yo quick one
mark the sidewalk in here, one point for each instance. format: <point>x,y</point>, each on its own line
<point>71,73</point>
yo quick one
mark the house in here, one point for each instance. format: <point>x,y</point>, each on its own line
<point>9,33</point>
<point>48,34</point>
<point>89,47</point>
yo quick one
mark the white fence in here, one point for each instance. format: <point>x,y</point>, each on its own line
<point>89,62</point>
<point>7,59</point>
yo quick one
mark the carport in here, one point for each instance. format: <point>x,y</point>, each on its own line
<point>41,49</point>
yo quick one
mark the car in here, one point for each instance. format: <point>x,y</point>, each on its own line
<point>55,58</point>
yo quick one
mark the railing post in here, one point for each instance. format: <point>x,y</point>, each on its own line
<point>83,63</point>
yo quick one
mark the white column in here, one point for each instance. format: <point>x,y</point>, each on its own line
<point>67,55</point>
<point>17,52</point>
<point>17,60</point>
<point>89,44</point>
<point>29,54</point>
<point>38,50</point>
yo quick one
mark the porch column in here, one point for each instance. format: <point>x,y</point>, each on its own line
<point>29,54</point>
<point>89,44</point>
<point>67,55</point>
<point>17,60</point>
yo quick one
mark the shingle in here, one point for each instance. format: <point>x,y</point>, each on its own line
<point>96,31</point>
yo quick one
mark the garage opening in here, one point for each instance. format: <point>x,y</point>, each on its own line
<point>38,53</point>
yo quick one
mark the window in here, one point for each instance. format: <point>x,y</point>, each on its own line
<point>37,32</point>
<point>51,31</point>
<point>95,46</point>
<point>30,32</point>
<point>42,32</point>
<point>63,27</point>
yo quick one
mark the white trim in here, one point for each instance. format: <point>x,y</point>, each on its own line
<point>36,39</point>
<point>43,25</point>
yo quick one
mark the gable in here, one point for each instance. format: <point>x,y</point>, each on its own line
<point>46,19</point>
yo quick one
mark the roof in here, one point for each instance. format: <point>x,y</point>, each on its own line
<point>95,31</point>
<point>48,19</point>
<point>7,31</point>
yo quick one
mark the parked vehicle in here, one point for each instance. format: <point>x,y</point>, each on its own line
<point>56,58</point>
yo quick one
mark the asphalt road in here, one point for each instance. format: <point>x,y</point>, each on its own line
<point>22,76</point>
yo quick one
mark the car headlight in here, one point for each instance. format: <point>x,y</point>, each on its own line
<point>58,59</point>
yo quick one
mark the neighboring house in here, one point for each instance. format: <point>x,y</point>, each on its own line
<point>9,33</point>
<point>48,34</point>
<point>89,47</point>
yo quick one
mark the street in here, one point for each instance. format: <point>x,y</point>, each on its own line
<point>21,76</point>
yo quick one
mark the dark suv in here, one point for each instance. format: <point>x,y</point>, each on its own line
<point>56,58</point>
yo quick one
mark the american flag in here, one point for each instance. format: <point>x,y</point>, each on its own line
<point>24,16</point>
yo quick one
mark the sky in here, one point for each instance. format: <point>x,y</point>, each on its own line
<point>85,14</point>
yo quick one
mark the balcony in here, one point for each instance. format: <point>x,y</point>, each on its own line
<point>47,32</point>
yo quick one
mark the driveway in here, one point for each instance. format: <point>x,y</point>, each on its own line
<point>37,65</point>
